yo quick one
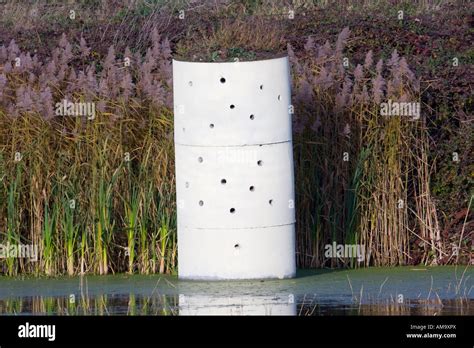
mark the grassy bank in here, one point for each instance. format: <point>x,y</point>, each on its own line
<point>97,195</point>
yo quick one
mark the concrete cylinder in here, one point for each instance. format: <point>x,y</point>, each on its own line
<point>234,170</point>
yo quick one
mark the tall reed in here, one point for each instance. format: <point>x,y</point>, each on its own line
<point>360,177</point>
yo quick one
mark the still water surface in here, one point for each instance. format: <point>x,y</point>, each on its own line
<point>446,290</point>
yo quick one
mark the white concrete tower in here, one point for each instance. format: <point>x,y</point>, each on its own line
<point>234,170</point>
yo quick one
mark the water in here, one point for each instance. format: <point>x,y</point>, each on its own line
<point>375,291</point>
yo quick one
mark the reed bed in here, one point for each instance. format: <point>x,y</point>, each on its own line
<point>97,195</point>
<point>362,178</point>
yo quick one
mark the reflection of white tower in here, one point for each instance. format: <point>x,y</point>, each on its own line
<point>234,170</point>
<point>237,305</point>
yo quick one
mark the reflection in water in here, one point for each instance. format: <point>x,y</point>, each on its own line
<point>397,291</point>
<point>122,304</point>
<point>237,305</point>
<point>162,305</point>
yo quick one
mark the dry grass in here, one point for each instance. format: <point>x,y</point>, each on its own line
<point>124,214</point>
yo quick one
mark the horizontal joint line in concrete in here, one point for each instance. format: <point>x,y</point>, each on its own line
<point>238,228</point>
<point>264,144</point>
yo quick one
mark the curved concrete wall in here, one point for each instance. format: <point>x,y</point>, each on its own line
<point>234,170</point>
